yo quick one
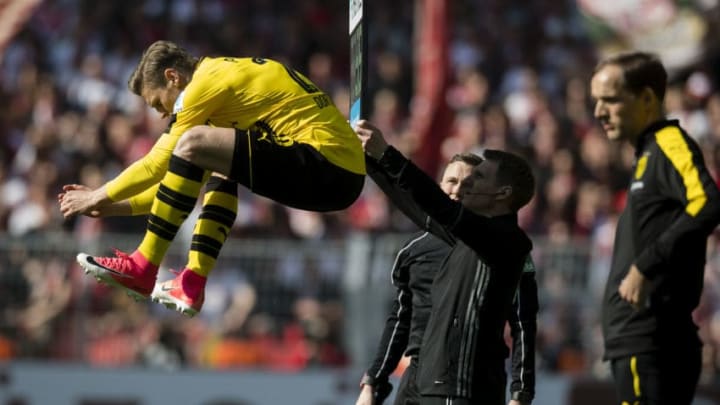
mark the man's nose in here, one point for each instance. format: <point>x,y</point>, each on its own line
<point>454,192</point>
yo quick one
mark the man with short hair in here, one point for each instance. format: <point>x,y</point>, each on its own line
<point>413,272</point>
<point>463,352</point>
<point>672,205</point>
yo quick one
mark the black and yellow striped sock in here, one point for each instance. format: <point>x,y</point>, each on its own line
<point>173,203</point>
<point>212,228</point>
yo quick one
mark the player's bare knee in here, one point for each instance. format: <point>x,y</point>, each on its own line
<point>190,143</point>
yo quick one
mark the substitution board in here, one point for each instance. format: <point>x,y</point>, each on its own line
<point>358,61</point>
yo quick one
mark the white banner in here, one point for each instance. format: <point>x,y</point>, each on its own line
<point>664,27</point>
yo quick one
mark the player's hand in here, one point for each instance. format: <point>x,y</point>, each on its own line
<point>372,139</point>
<point>77,199</point>
<point>633,287</point>
<point>515,402</point>
<point>366,397</point>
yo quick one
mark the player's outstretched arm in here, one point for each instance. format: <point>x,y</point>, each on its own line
<point>78,199</point>
<point>125,194</point>
<point>375,145</point>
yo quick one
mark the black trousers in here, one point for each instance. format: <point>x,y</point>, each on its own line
<point>431,400</point>
<point>488,389</point>
<point>667,377</point>
<point>408,393</point>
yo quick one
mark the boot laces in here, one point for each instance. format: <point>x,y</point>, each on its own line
<point>121,262</point>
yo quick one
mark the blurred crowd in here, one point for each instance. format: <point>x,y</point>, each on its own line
<point>519,81</point>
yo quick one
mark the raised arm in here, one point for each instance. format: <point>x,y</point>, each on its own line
<point>404,201</point>
<point>490,237</point>
<point>387,179</point>
<point>136,179</point>
<point>74,205</point>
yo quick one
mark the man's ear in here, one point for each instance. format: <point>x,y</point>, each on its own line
<point>172,76</point>
<point>648,96</point>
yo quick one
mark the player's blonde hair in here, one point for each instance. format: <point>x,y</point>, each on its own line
<point>150,71</point>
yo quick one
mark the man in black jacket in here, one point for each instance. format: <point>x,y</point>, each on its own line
<point>462,356</point>
<point>413,272</point>
<point>660,244</point>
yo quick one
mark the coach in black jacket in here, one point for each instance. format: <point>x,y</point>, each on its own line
<point>413,272</point>
<point>462,357</point>
<point>660,245</point>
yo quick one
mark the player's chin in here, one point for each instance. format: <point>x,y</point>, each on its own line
<point>613,134</point>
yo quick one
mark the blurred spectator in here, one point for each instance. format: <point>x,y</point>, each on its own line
<point>163,347</point>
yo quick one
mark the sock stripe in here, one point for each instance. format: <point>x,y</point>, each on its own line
<point>185,169</point>
<point>222,216</point>
<point>161,227</point>
<point>157,221</point>
<point>221,185</point>
<point>175,199</point>
<point>207,245</point>
<point>161,232</point>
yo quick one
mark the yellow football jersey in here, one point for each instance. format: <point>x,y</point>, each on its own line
<point>249,93</point>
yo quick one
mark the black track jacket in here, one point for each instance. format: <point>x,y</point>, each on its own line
<point>672,206</point>
<point>413,272</point>
<point>463,350</point>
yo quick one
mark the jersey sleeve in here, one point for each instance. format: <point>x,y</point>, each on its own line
<point>143,173</point>
<point>683,178</point>
<point>397,326</point>
<point>142,203</point>
<point>523,329</point>
<point>404,201</point>
<point>420,188</point>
